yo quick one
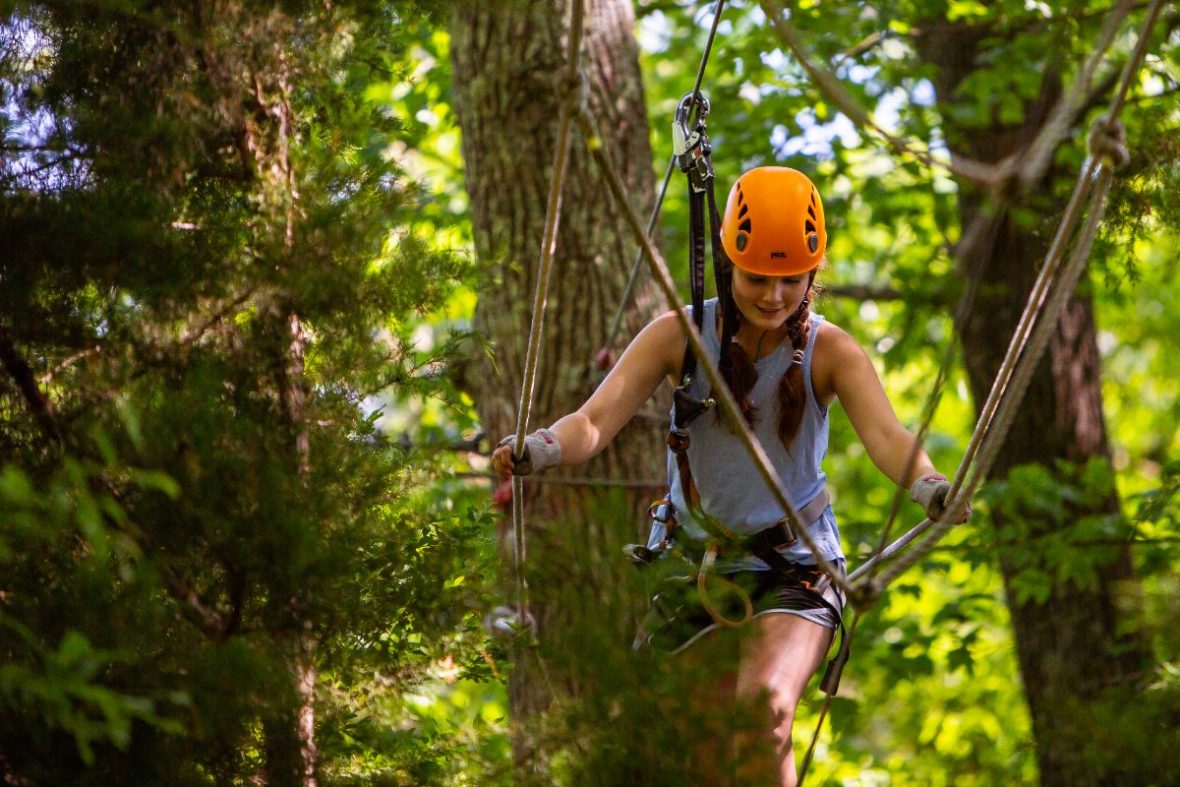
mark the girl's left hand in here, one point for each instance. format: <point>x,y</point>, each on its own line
<point>930,491</point>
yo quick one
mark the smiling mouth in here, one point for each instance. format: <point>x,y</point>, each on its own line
<point>765,310</point>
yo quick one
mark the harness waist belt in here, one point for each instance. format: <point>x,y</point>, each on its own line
<point>779,534</point>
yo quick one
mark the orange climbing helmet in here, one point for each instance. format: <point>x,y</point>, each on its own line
<point>774,223</point>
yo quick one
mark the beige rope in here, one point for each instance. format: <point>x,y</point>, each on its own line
<point>1107,144</point>
<point>569,104</point>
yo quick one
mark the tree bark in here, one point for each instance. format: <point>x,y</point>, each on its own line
<point>1075,651</point>
<point>508,58</point>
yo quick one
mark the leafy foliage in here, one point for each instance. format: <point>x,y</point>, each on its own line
<point>205,288</point>
<point>179,181</point>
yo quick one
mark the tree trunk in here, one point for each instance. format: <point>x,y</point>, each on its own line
<point>1075,653</point>
<point>508,58</point>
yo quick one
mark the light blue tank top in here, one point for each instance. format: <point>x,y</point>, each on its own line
<point>730,487</point>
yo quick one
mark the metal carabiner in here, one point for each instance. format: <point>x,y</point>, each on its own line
<point>684,139</point>
<point>691,146</point>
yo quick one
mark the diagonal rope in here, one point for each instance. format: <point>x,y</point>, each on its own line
<point>617,322</point>
<point>1018,366</point>
<point>1044,306</point>
<point>571,86</point>
<point>1009,389</point>
<point>823,713</point>
<point>1028,164</point>
<point>974,171</point>
<point>962,312</point>
<point>721,391</point>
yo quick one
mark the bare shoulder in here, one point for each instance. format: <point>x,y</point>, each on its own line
<point>661,344</point>
<point>837,356</point>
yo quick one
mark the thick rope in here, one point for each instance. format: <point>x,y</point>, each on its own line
<point>721,391</point>
<point>996,429</point>
<point>1107,151</point>
<point>1020,337</point>
<point>962,312</point>
<point>569,106</point>
<point>617,322</point>
<point>1017,383</point>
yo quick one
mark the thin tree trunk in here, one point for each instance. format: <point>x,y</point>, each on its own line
<point>508,58</point>
<point>1074,649</point>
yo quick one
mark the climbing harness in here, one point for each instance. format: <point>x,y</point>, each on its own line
<point>692,152</point>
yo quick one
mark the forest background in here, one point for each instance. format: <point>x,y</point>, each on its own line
<point>246,530</point>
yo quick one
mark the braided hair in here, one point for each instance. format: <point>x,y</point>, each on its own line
<point>738,370</point>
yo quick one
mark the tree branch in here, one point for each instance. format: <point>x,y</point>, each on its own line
<point>966,169</point>
<point>22,374</point>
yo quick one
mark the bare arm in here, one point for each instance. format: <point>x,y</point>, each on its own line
<point>654,354</point>
<point>843,370</point>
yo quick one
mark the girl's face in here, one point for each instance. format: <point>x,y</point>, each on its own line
<point>766,302</point>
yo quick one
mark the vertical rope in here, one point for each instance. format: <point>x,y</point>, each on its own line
<point>544,268</point>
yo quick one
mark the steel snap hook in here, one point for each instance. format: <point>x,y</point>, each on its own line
<point>684,138</point>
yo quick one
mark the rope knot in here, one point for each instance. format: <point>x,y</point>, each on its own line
<point>1108,142</point>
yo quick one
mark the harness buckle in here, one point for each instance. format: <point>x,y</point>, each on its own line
<point>678,440</point>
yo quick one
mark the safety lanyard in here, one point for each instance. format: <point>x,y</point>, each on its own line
<point>693,155</point>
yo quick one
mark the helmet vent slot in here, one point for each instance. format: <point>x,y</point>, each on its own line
<point>745,209</point>
<point>811,212</point>
<point>745,226</point>
<point>808,227</point>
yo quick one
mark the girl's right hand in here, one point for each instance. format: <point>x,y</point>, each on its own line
<point>502,461</point>
<point>541,451</point>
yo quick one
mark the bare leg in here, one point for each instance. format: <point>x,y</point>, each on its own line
<point>703,717</point>
<point>777,661</point>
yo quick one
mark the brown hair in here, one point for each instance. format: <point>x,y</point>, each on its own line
<point>738,371</point>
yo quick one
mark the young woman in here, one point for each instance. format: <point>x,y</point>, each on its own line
<point>785,365</point>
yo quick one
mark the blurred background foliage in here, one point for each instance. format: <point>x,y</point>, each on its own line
<point>145,258</point>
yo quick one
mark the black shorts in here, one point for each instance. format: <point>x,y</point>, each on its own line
<point>677,617</point>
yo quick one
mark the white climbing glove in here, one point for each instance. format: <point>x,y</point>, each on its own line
<point>541,451</point>
<point>930,492</point>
